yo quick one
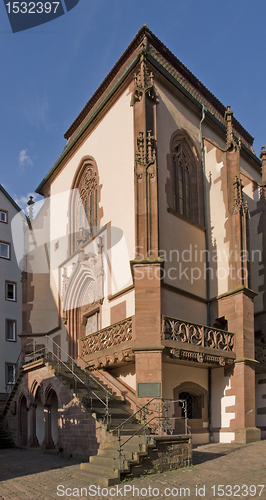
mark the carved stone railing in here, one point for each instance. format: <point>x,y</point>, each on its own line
<point>108,337</point>
<point>260,352</point>
<point>199,335</point>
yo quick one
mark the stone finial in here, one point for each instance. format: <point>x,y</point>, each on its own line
<point>230,139</point>
<point>263,165</point>
<point>30,204</point>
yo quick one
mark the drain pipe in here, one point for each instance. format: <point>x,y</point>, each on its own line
<point>204,109</point>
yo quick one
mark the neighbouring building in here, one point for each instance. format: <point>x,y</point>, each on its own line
<point>153,226</point>
<point>10,297</point>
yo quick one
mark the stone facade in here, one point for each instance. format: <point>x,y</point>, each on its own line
<point>154,222</point>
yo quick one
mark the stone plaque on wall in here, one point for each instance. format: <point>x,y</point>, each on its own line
<point>149,390</point>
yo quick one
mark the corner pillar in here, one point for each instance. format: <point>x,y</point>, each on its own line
<point>47,443</point>
<point>238,308</point>
<point>32,441</point>
<point>147,346</point>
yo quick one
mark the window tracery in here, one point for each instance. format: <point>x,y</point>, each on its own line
<point>186,178</point>
<point>84,205</point>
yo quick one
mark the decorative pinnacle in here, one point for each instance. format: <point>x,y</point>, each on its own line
<point>228,116</point>
<point>263,153</point>
<point>263,165</point>
<point>31,202</point>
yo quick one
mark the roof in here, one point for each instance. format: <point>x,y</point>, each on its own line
<point>169,56</point>
<point>164,61</point>
<point>9,198</point>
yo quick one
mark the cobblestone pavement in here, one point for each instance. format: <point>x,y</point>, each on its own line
<point>240,469</point>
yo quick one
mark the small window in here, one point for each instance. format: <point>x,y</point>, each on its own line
<point>10,374</point>
<point>11,291</point>
<point>4,250</point>
<point>92,324</point>
<point>3,216</point>
<point>11,334</point>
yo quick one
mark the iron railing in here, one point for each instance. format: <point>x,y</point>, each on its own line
<point>45,348</point>
<point>153,419</point>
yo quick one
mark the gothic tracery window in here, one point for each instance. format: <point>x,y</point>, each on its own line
<point>88,201</point>
<point>186,178</point>
<point>84,205</point>
<point>182,174</point>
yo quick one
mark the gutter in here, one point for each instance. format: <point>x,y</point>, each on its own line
<point>203,116</point>
<point>161,69</point>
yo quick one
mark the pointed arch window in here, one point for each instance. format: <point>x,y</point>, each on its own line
<point>186,179</point>
<point>182,180</point>
<point>88,201</point>
<point>84,205</point>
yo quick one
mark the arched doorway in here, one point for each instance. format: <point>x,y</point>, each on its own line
<point>23,422</point>
<point>196,398</point>
<point>39,416</point>
<point>50,420</point>
<point>53,401</point>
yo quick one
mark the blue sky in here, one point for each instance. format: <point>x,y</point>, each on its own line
<point>48,73</point>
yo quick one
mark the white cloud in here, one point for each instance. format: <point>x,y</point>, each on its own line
<point>24,159</point>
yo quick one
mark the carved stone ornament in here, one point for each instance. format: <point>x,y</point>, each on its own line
<point>107,337</point>
<point>145,156</point>
<point>82,282</point>
<point>121,357</point>
<point>191,333</point>
<point>143,82</point>
<point>239,204</point>
<point>232,143</point>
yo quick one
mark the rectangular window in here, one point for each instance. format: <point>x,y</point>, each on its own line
<point>3,216</point>
<point>11,327</point>
<point>92,324</point>
<point>11,291</point>
<point>4,250</point>
<point>10,373</point>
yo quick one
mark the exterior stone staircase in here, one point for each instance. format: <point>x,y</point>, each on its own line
<point>128,454</point>
<point>140,454</point>
<point>6,440</point>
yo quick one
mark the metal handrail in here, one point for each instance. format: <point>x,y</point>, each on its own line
<point>42,352</point>
<point>134,414</point>
<point>165,403</point>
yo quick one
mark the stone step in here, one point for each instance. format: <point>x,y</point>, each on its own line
<point>102,470</point>
<point>129,446</point>
<point>111,453</point>
<point>102,460</point>
<point>95,479</point>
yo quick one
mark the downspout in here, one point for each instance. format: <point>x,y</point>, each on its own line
<point>204,109</point>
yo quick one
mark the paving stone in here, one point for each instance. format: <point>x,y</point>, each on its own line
<point>216,464</point>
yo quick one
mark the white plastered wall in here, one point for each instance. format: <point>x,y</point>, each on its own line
<point>173,375</point>
<point>111,144</point>
<point>221,414</point>
<point>181,269</point>
<point>126,374</point>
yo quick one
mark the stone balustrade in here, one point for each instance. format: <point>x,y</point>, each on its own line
<point>107,337</point>
<point>260,352</point>
<point>199,335</point>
